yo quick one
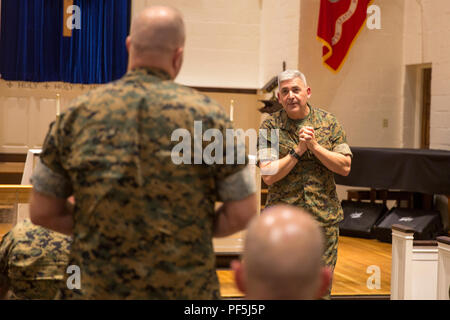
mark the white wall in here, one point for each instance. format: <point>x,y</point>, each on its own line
<point>368,88</point>
<point>238,44</point>
<point>223,39</point>
<point>412,105</point>
<point>280,22</point>
<point>426,40</point>
<point>26,110</point>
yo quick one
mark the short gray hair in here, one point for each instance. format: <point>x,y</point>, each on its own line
<point>291,74</point>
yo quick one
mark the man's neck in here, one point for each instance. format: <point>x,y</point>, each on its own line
<point>138,63</point>
<point>301,114</point>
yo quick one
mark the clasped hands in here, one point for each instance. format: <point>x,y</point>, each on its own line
<point>307,140</point>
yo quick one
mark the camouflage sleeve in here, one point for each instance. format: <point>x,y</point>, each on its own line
<point>51,155</point>
<point>266,145</point>
<point>234,157</point>
<point>49,182</point>
<point>344,149</point>
<point>339,140</point>
<point>5,248</point>
<point>237,186</point>
<point>49,176</point>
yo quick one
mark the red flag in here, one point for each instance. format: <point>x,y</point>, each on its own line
<point>340,22</point>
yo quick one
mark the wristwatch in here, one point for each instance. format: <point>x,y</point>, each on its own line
<point>294,154</point>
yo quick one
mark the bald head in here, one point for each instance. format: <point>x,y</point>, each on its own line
<point>157,28</point>
<point>156,34</point>
<point>282,256</point>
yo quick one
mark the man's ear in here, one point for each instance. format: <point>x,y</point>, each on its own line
<point>128,44</point>
<point>308,91</point>
<point>239,275</point>
<point>177,60</point>
<point>325,281</point>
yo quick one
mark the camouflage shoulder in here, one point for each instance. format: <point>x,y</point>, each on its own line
<point>22,227</point>
<point>6,244</point>
<point>74,104</point>
<point>271,121</point>
<point>204,104</point>
<point>11,239</point>
<point>98,92</point>
<point>207,100</point>
<point>27,230</point>
<point>324,114</point>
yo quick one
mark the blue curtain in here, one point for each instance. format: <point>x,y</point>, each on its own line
<point>32,46</point>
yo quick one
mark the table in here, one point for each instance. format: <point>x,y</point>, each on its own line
<point>413,170</point>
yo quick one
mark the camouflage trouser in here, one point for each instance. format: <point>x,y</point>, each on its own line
<point>329,257</point>
<point>34,289</point>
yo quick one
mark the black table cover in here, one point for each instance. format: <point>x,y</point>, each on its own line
<point>414,170</point>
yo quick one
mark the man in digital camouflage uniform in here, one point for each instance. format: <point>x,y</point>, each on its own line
<point>33,262</point>
<point>142,225</point>
<point>312,147</point>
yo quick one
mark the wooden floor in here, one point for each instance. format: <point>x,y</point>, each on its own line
<point>355,255</point>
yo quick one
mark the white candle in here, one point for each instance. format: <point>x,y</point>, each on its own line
<point>58,105</point>
<point>231,110</point>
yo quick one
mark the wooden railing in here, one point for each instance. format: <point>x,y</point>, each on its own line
<point>11,172</point>
<point>14,193</point>
<point>420,269</point>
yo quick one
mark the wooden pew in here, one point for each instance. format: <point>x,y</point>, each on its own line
<point>13,197</point>
<point>420,269</point>
<point>443,268</point>
<point>14,193</point>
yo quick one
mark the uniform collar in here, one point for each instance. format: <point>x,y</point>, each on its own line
<point>288,123</point>
<point>146,71</point>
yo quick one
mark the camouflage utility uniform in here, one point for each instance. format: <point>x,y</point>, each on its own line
<point>33,261</point>
<point>309,185</point>
<point>143,225</point>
